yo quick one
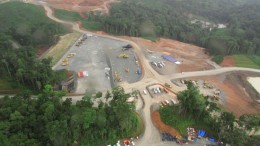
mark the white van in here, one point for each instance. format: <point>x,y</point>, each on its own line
<point>155,91</point>
<point>173,101</point>
<point>158,90</point>
<point>145,92</point>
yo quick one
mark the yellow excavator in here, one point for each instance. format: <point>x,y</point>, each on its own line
<point>123,56</point>
<point>117,76</point>
<point>65,62</point>
<point>71,55</point>
<point>127,70</point>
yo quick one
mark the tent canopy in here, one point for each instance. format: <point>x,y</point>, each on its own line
<point>169,58</point>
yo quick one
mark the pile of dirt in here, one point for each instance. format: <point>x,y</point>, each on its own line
<point>228,62</point>
<point>163,127</point>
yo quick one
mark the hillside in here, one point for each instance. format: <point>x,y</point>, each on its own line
<point>173,19</point>
<point>28,25</point>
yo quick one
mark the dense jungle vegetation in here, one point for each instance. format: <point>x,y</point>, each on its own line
<point>22,67</point>
<point>196,111</point>
<point>47,120</point>
<point>172,19</point>
<point>23,28</point>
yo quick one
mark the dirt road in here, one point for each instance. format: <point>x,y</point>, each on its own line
<point>151,136</point>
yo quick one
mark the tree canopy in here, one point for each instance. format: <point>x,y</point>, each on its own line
<point>225,126</point>
<point>49,120</point>
<point>172,19</point>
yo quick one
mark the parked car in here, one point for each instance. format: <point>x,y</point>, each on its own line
<point>167,102</point>
<point>155,91</point>
<point>173,101</point>
<point>158,90</point>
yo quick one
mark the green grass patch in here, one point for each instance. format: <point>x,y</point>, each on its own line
<point>67,15</point>
<point>248,62</point>
<point>140,126</point>
<point>90,25</point>
<point>170,116</point>
<point>57,51</point>
<point>218,58</point>
<point>255,59</point>
<point>151,38</point>
<point>7,88</point>
<point>23,21</point>
<point>74,16</point>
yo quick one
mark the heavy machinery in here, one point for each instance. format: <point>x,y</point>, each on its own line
<point>65,60</point>
<point>128,46</point>
<point>167,85</point>
<point>127,70</point>
<point>71,55</point>
<point>123,56</point>
<point>117,78</point>
<point>115,74</point>
<point>65,63</point>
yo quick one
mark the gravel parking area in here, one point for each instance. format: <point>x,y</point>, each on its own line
<point>121,65</point>
<point>167,69</point>
<point>94,55</point>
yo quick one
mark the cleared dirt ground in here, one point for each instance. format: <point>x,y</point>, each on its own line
<point>238,96</point>
<point>81,5</point>
<point>228,62</point>
<point>161,126</point>
<point>192,58</point>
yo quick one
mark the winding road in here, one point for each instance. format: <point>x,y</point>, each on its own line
<point>151,135</point>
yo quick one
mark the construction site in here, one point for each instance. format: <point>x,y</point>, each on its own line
<point>100,63</point>
<point>159,71</point>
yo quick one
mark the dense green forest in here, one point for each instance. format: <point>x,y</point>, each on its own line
<point>172,19</point>
<point>22,67</point>
<point>28,25</point>
<point>47,120</point>
<point>195,110</point>
<point>23,28</point>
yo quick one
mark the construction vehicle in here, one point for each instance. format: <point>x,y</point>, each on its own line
<point>128,46</point>
<point>70,55</point>
<point>65,63</point>
<point>117,77</point>
<point>65,60</point>
<point>123,56</point>
<point>139,72</point>
<point>167,85</point>
<point>115,74</point>
<point>127,70</point>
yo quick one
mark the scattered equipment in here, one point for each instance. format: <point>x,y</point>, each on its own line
<point>123,56</point>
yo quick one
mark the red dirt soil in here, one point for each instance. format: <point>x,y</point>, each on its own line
<point>237,99</point>
<point>193,58</point>
<point>41,50</point>
<point>81,5</point>
<point>228,62</point>
<point>158,123</point>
